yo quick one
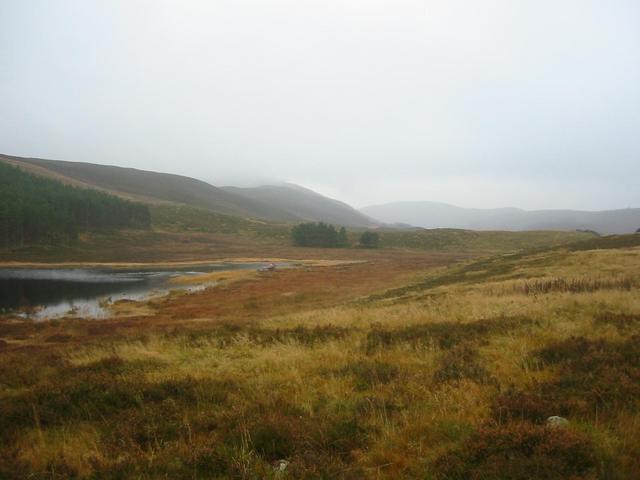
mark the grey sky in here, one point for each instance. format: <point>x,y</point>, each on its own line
<point>479,103</point>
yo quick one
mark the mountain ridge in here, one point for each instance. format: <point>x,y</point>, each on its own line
<point>427,214</point>
<point>304,204</point>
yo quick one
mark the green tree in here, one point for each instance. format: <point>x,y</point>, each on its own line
<point>369,239</point>
<point>40,210</point>
<point>343,241</point>
<point>315,235</point>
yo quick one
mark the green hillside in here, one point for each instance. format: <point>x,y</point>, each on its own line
<point>276,203</point>
<point>145,185</point>
<point>185,219</point>
<point>489,241</point>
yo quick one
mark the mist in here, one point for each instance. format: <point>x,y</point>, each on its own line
<point>532,104</point>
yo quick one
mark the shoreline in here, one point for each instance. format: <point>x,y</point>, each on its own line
<point>226,260</point>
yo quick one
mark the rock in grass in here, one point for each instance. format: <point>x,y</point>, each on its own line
<point>557,422</point>
<point>280,465</point>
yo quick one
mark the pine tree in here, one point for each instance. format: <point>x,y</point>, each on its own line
<point>40,210</point>
<point>369,239</point>
<point>343,241</point>
<point>316,235</point>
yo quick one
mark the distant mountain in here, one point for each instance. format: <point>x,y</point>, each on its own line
<point>300,203</point>
<point>287,203</point>
<point>442,215</point>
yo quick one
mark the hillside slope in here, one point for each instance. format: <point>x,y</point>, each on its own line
<point>441,215</point>
<point>278,203</point>
<point>298,203</point>
<point>145,185</point>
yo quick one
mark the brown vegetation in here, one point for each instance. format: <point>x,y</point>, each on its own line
<point>401,366</point>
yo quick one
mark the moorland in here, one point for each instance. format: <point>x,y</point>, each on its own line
<point>441,354</point>
<point>406,364</point>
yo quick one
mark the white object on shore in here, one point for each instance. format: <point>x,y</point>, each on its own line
<point>557,422</point>
<point>267,268</point>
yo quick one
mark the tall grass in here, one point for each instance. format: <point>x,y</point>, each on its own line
<point>574,285</point>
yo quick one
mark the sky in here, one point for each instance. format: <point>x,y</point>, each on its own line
<point>479,103</point>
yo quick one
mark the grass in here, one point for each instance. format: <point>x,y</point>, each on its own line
<point>608,242</point>
<point>406,365</point>
<point>444,335</point>
<point>485,241</point>
<point>574,285</point>
<point>176,218</point>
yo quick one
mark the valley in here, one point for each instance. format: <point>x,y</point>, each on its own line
<point>328,240</point>
<point>436,353</point>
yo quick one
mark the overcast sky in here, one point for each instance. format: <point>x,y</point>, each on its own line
<point>486,103</point>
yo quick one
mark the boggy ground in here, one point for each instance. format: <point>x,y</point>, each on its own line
<point>402,366</point>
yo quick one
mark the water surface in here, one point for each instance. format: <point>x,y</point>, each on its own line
<point>50,292</point>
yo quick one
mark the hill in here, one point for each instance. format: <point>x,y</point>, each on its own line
<point>287,203</point>
<point>442,215</point>
<point>298,203</point>
<point>143,185</point>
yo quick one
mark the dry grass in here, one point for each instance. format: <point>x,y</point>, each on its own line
<point>431,377</point>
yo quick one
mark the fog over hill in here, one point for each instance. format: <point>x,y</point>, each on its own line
<point>299,203</point>
<point>441,215</point>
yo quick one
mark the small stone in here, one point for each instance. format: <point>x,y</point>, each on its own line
<point>557,422</point>
<point>281,465</point>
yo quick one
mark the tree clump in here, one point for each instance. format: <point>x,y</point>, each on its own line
<point>37,210</point>
<point>319,235</point>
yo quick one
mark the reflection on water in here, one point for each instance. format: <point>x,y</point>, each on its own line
<point>46,293</point>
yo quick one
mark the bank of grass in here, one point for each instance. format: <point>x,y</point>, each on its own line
<point>451,376</point>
